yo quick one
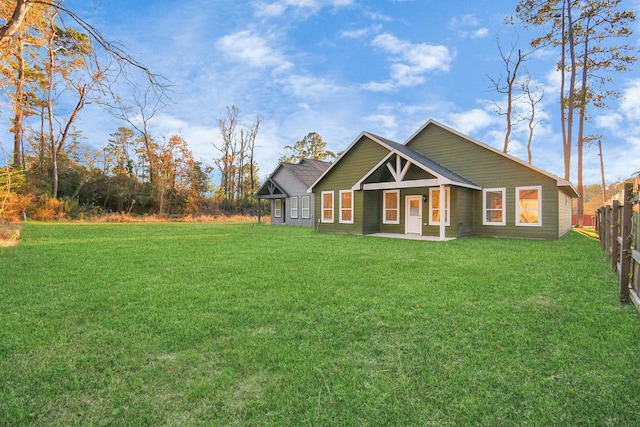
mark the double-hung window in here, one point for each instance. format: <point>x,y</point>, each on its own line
<point>327,206</point>
<point>434,206</point>
<point>529,206</point>
<point>277,208</point>
<point>305,206</point>
<point>493,206</point>
<point>391,207</point>
<point>346,206</point>
<point>294,207</point>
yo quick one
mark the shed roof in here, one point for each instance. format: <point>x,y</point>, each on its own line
<point>307,171</point>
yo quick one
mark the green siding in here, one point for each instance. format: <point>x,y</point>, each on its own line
<point>565,213</point>
<point>372,212</point>
<point>362,156</point>
<point>489,169</point>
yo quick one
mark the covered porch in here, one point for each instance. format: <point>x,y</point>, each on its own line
<point>411,237</point>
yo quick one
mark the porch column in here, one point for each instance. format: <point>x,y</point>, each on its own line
<point>443,201</point>
<point>259,200</point>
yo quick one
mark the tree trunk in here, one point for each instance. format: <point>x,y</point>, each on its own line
<point>581,120</point>
<point>567,120</point>
<point>19,13</point>
<point>18,110</point>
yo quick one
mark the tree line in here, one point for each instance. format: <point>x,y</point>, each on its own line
<point>49,72</point>
<point>589,40</point>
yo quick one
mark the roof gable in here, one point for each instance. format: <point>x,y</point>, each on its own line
<point>306,171</point>
<point>560,181</point>
<point>442,174</point>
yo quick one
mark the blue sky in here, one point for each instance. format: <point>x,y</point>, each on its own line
<point>338,67</point>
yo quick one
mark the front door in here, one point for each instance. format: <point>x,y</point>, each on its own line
<point>413,215</point>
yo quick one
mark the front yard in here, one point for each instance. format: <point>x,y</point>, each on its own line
<point>223,324</point>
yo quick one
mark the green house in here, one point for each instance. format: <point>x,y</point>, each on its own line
<point>440,183</point>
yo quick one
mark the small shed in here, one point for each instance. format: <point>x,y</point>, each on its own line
<point>286,189</point>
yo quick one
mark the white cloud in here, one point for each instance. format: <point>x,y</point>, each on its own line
<point>253,50</point>
<point>311,87</point>
<point>466,26</point>
<point>280,7</point>
<point>609,121</point>
<point>480,33</point>
<point>386,122</point>
<point>361,33</point>
<point>410,61</point>
<point>471,121</point>
<point>630,104</point>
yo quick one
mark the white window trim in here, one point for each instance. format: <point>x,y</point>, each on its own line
<point>384,206</point>
<point>341,220</point>
<point>529,224</point>
<point>447,192</point>
<point>277,208</point>
<point>306,209</point>
<point>294,207</point>
<point>322,207</point>
<point>484,206</point>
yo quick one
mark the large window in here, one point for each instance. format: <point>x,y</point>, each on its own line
<point>346,206</point>
<point>493,206</point>
<point>434,206</point>
<point>529,206</point>
<point>327,206</point>
<point>294,207</point>
<point>277,208</point>
<point>305,207</point>
<point>391,207</point>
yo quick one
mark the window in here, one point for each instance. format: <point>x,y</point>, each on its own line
<point>346,206</point>
<point>327,206</point>
<point>294,207</point>
<point>434,206</point>
<point>493,206</point>
<point>305,207</point>
<point>529,206</point>
<point>277,208</point>
<point>390,207</point>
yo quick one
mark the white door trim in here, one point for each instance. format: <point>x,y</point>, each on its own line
<point>417,222</point>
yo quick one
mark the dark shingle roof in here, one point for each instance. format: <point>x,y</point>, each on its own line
<point>308,170</point>
<point>425,162</point>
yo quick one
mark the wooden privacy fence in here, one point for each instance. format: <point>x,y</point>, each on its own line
<point>619,230</point>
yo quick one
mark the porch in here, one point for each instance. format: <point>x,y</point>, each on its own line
<point>411,237</point>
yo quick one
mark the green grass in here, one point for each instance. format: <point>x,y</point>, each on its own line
<point>235,325</point>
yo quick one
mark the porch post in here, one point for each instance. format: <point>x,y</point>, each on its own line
<point>259,200</point>
<point>443,201</point>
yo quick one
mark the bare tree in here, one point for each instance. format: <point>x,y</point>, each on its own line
<point>237,147</point>
<point>228,150</point>
<point>585,32</point>
<point>508,88</point>
<point>533,99</point>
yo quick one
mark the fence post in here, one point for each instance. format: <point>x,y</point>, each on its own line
<point>607,230</point>
<point>615,230</point>
<point>625,250</point>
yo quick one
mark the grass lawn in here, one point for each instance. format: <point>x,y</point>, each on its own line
<point>236,325</point>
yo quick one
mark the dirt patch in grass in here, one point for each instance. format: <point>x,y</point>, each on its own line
<point>9,234</point>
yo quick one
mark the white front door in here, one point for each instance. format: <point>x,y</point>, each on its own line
<point>413,214</point>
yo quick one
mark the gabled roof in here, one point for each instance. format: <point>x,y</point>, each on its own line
<point>307,171</point>
<point>561,181</point>
<point>443,175</point>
